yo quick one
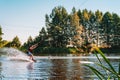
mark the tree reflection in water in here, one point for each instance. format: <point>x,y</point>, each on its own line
<point>65,69</point>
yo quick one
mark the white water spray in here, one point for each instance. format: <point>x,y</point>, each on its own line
<point>13,54</point>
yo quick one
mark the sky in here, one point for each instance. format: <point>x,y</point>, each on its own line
<point>24,18</point>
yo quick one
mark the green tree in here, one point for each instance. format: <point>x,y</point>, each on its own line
<point>56,24</point>
<point>116,29</point>
<point>100,37</point>
<point>43,33</point>
<point>92,27</point>
<point>15,42</point>
<point>27,44</point>
<point>107,26</point>
<point>79,13</point>
<point>85,24</point>
<point>2,42</point>
<point>42,38</point>
<point>73,10</point>
<point>85,15</point>
<point>30,41</point>
<point>1,33</point>
<point>99,15</point>
<point>77,30</point>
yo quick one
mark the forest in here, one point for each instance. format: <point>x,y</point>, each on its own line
<point>74,32</point>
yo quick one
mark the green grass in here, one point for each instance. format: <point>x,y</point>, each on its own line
<point>111,73</point>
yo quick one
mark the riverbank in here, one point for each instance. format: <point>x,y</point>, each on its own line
<point>70,50</point>
<point>55,50</point>
<point>110,50</point>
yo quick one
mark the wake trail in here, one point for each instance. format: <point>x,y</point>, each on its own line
<point>13,54</point>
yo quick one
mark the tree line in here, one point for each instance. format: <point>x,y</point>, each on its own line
<point>15,43</point>
<point>78,29</point>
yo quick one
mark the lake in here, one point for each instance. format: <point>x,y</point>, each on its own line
<point>68,67</point>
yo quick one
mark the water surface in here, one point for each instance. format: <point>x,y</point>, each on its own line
<point>69,67</point>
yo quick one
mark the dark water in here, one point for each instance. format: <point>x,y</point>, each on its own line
<point>51,68</point>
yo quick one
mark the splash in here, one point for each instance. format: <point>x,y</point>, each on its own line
<point>13,54</point>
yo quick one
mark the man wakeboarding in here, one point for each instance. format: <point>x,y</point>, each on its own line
<point>30,49</point>
<point>29,52</point>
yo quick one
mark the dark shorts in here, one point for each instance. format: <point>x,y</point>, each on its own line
<point>29,54</point>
